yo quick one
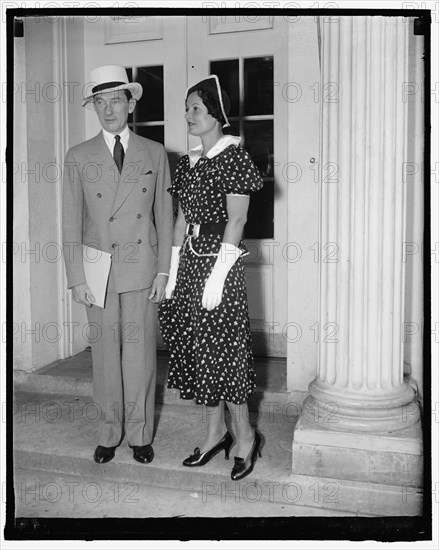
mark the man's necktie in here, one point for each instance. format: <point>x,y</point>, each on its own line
<point>118,153</point>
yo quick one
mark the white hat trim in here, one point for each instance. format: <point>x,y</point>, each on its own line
<point>218,88</point>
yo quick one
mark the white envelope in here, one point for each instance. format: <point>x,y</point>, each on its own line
<point>97,264</point>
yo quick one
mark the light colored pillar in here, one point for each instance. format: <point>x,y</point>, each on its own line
<point>359,385</point>
<point>360,423</point>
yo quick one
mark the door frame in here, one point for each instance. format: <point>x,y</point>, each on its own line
<point>266,269</point>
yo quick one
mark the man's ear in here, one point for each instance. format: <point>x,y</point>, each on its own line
<point>132,105</point>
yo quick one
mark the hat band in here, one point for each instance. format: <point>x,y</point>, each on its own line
<point>106,85</point>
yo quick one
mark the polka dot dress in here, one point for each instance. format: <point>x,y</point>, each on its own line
<point>210,351</point>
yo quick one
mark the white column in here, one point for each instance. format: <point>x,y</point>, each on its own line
<point>363,206</point>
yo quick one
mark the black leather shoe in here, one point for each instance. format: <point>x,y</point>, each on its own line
<point>104,454</point>
<point>143,453</point>
<point>200,459</point>
<point>243,468</point>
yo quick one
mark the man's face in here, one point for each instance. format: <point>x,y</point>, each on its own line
<point>113,109</point>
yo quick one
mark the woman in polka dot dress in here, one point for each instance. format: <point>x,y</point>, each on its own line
<point>207,329</point>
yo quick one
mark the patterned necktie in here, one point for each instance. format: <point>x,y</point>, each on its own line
<point>118,153</point>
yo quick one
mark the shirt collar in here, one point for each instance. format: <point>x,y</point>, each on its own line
<point>124,137</point>
<point>195,153</point>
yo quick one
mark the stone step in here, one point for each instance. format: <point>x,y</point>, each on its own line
<point>74,376</point>
<point>58,433</point>
<point>45,494</point>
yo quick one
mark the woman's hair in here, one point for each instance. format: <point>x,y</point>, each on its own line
<point>212,105</point>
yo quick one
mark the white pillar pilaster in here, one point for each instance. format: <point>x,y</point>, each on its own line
<point>359,385</point>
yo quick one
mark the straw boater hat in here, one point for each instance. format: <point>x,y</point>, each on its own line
<point>111,78</point>
<point>212,85</point>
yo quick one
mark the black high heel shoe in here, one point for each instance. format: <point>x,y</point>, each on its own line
<point>243,467</point>
<point>200,459</point>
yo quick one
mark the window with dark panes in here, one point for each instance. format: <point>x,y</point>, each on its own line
<point>249,84</point>
<point>148,118</point>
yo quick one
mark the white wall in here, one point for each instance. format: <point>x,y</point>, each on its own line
<point>303,202</point>
<point>35,186</point>
<point>74,134</point>
<point>412,332</point>
<point>42,190</point>
<point>21,287</point>
<point>39,294</point>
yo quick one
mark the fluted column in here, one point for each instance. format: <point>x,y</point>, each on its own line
<point>359,385</point>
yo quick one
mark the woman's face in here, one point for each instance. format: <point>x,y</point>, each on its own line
<point>198,119</point>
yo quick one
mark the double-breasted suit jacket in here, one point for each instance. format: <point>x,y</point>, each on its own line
<point>130,216</point>
<point>127,214</point>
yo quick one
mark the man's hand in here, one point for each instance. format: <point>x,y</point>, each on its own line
<point>83,295</point>
<point>158,289</point>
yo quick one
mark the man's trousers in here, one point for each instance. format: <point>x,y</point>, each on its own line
<point>123,340</point>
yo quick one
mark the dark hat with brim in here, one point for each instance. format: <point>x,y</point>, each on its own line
<point>212,85</point>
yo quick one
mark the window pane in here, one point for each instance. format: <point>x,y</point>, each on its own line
<point>258,136</point>
<point>258,139</point>
<point>129,71</point>
<point>232,130</point>
<point>258,86</point>
<point>260,217</point>
<point>156,133</point>
<point>151,105</point>
<point>228,73</point>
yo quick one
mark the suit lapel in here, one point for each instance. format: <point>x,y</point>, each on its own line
<point>98,149</point>
<point>135,163</point>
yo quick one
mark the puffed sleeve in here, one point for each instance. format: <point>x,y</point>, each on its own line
<point>179,176</point>
<point>240,175</point>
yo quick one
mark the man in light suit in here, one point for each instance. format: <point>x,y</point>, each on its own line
<point>115,200</point>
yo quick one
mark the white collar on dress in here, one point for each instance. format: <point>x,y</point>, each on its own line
<point>195,153</point>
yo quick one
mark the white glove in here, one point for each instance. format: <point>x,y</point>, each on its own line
<point>172,279</point>
<point>213,291</point>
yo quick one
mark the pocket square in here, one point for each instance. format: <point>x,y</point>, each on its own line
<point>147,173</point>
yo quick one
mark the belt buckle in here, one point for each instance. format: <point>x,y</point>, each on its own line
<point>193,229</point>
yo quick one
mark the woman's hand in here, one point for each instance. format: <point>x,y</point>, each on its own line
<point>172,280</point>
<point>237,207</point>
<point>213,290</point>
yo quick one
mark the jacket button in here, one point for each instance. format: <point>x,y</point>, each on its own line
<point>139,216</point>
<point>99,195</point>
<point>139,241</point>
<point>111,219</point>
<point>144,189</point>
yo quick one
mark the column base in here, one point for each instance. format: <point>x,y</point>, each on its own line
<point>390,459</point>
<point>340,409</point>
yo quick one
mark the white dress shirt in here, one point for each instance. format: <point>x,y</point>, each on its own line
<point>110,139</point>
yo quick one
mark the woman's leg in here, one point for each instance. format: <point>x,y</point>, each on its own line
<point>214,417</point>
<point>244,432</point>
